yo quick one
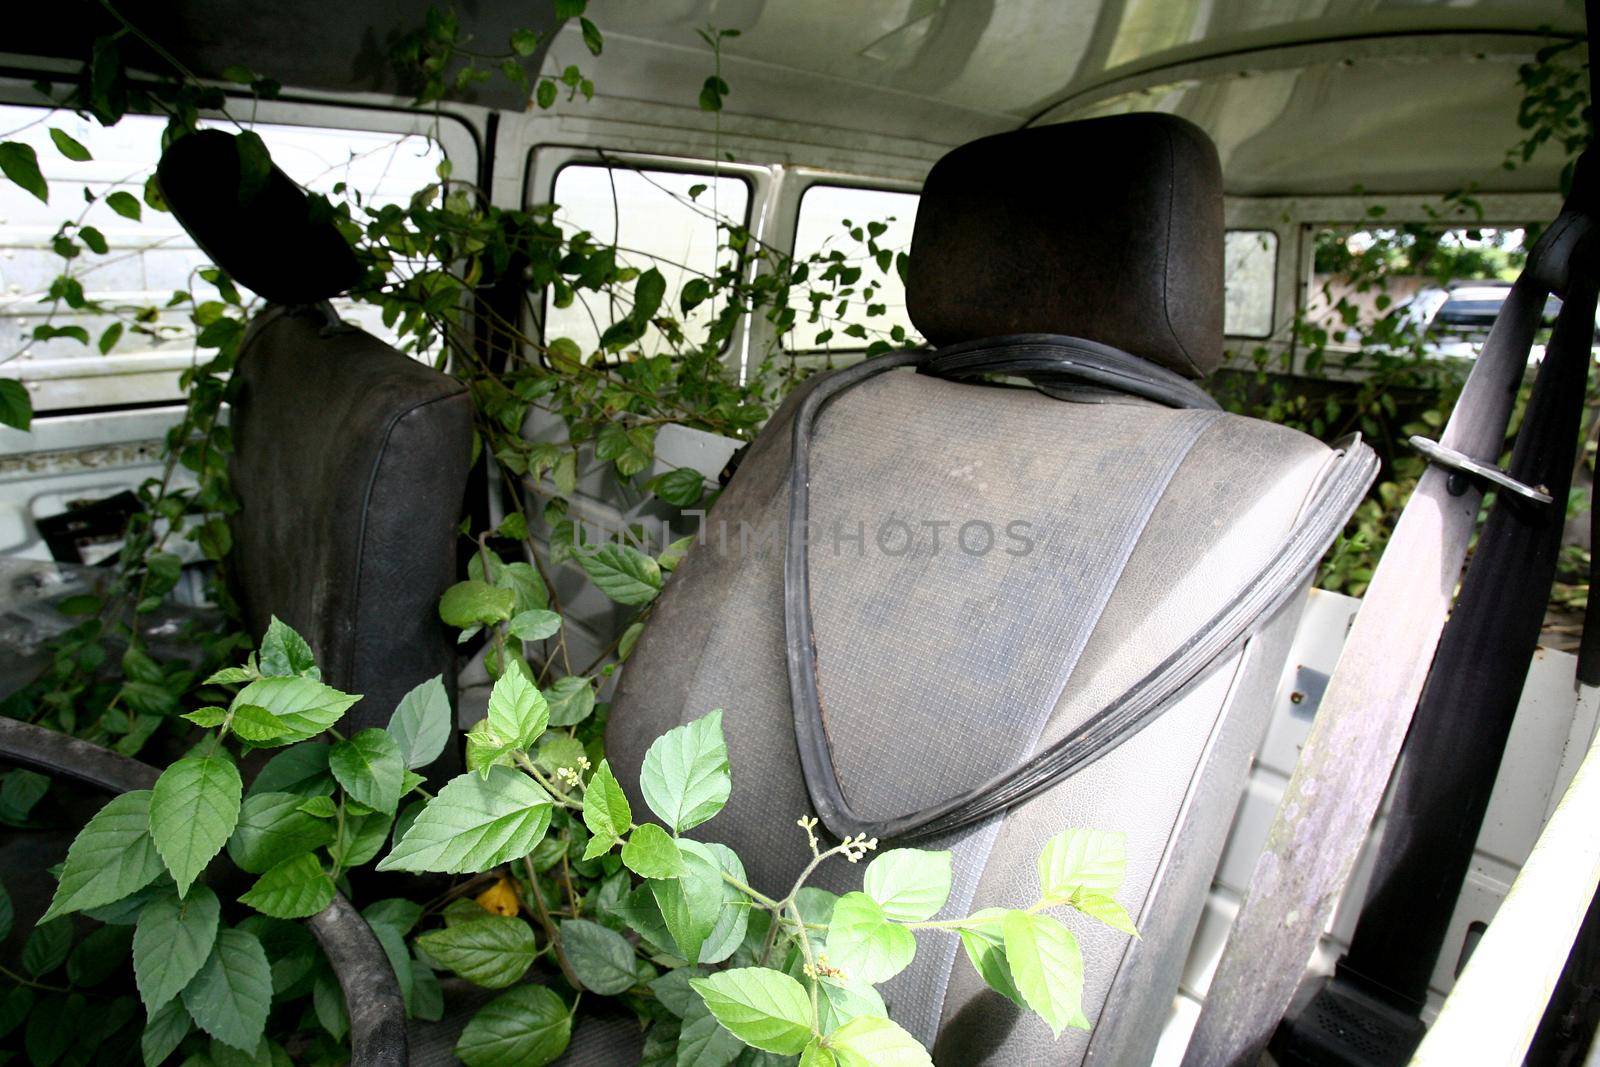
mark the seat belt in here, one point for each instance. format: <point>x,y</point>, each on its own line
<point>1458,735</point>
<point>1346,761</point>
<point>1049,363</point>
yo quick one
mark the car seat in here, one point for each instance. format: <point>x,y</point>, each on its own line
<point>996,544</point>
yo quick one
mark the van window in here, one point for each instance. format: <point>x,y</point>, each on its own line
<point>149,258</point>
<point>836,223</point>
<point>1250,267</point>
<point>667,219</point>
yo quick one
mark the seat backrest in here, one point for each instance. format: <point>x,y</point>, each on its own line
<point>350,463</point>
<point>989,566</point>
<point>350,459</point>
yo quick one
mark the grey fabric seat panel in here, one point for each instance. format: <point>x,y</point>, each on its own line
<point>350,464</point>
<point>717,641</point>
<point>996,541</point>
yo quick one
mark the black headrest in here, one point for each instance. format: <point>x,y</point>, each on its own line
<point>1108,229</point>
<point>267,238</point>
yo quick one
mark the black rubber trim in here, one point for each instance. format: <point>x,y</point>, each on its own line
<point>371,991</point>
<point>1041,360</point>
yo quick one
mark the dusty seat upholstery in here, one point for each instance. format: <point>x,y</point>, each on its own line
<point>350,464</point>
<point>940,666</point>
<point>350,459</point>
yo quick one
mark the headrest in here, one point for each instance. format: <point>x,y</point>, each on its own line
<point>266,238</point>
<point>1108,229</point>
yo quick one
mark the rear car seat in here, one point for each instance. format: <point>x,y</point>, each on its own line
<point>350,459</point>
<point>990,566</point>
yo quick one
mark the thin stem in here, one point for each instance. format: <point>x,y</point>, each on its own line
<point>548,923</point>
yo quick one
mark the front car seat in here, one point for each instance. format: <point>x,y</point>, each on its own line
<point>990,565</point>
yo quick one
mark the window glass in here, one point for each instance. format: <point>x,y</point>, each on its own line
<point>1250,259</point>
<point>147,259</point>
<point>656,218</point>
<point>839,219</point>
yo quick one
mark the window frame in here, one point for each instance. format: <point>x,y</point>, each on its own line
<point>543,168</point>
<point>61,389</point>
<point>829,180</point>
<point>1272,292</point>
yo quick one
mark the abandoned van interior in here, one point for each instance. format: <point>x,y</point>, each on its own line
<point>799,532</point>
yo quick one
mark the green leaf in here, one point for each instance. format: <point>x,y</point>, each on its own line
<point>622,573</point>
<point>230,996</point>
<point>526,1027</point>
<point>47,947</point>
<point>294,889</point>
<point>523,580</point>
<point>316,807</point>
<point>1047,968</point>
<point>692,903</point>
<point>704,1042</point>
<point>685,777</point>
<point>285,654</point>
<point>1080,861</point>
<point>109,338</point>
<point>255,164</point>
<point>172,942</point>
<point>16,407</point>
<point>733,918</point>
<point>125,204</point>
<point>1107,910</point>
<point>591,37</point>
<point>305,706</point>
<point>557,750</point>
<point>363,836</point>
<point>20,163</point>
<point>206,718</point>
<point>474,603</point>
<point>606,811</point>
<point>474,824</point>
<point>864,943</point>
<point>524,42</point>
<point>870,1042</point>
<point>535,624</point>
<point>258,726</point>
<point>839,1002</point>
<point>650,852</point>
<point>301,770</point>
<point>94,239</point>
<point>421,723</point>
<point>681,487</point>
<point>274,827</point>
<point>602,959</point>
<point>642,914</point>
<point>494,951</point>
<point>518,712</point>
<point>69,147</point>
<point>8,913</point>
<point>164,1032</point>
<point>371,768</point>
<point>765,1009</point>
<point>111,857</point>
<point>909,884</point>
<point>486,749</point>
<point>674,992</point>
<point>571,701</point>
<point>193,810</point>
<point>986,948</point>
<point>817,1056</point>
<point>570,9</point>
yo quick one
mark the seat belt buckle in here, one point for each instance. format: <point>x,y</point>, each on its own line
<point>1464,466</point>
